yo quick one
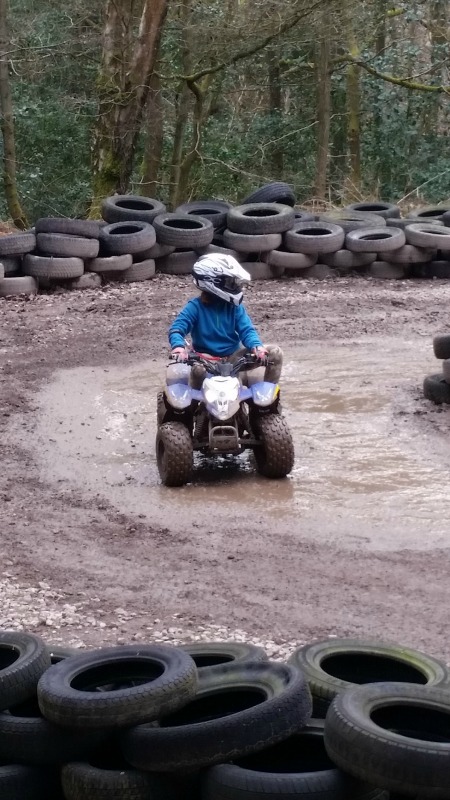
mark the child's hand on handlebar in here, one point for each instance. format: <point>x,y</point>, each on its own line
<point>260,352</point>
<point>179,354</point>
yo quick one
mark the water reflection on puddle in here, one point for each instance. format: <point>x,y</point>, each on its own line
<point>356,477</point>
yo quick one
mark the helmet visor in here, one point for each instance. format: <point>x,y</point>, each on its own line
<point>233,284</point>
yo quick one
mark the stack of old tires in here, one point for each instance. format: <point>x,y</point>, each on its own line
<point>219,721</point>
<point>436,387</point>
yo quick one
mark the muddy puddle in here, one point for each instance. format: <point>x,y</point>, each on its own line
<point>365,476</point>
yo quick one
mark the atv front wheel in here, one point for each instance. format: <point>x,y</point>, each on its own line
<point>275,455</point>
<point>174,454</point>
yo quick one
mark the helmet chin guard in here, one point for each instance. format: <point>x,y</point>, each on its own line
<point>221,276</point>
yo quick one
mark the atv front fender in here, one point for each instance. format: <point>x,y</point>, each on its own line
<point>264,393</point>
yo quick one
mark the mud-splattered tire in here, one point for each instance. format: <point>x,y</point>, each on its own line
<point>275,456</point>
<point>174,454</point>
<point>436,389</point>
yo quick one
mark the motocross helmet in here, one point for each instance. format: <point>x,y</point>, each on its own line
<point>222,276</point>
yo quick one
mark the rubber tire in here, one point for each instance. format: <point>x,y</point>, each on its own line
<point>183,230</point>
<point>314,238</point>
<point>429,212</point>
<point>275,456</point>
<point>286,259</point>
<point>178,263</point>
<point>82,780</point>
<point>275,192</point>
<point>219,249</point>
<point>52,268</point>
<point>304,216</point>
<point>11,265</point>
<point>386,210</point>
<point>319,272</point>
<point>408,254</point>
<point>63,245</point>
<point>257,218</point>
<point>406,221</point>
<point>184,744</point>
<point>251,243</point>
<point>441,345</point>
<point>214,210</point>
<point>63,704</point>
<point>18,782</point>
<point>14,287</point>
<point>90,280</point>
<point>2,271</point>
<point>436,389</point>
<point>395,761</point>
<point>446,370</point>
<point>446,219</point>
<point>58,653</point>
<point>387,271</point>
<point>375,240</point>
<point>19,677</point>
<point>260,271</point>
<point>109,263</point>
<point>439,269</point>
<point>174,454</point>
<point>209,655</point>
<point>141,271</point>
<point>311,659</point>
<point>428,236</point>
<point>89,228</point>
<point>352,220</point>
<point>322,781</point>
<point>131,208</point>
<point>122,238</point>
<point>157,251</point>
<point>17,244</point>
<point>345,259</point>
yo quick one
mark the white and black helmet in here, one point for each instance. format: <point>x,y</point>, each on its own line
<point>220,275</point>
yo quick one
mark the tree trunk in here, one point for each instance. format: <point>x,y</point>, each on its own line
<point>151,161</point>
<point>7,126</point>
<point>123,87</point>
<point>323,77</point>
<point>182,116</point>
<point>353,106</point>
<point>276,111</point>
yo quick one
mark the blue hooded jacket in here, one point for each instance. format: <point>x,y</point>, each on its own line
<point>217,328</point>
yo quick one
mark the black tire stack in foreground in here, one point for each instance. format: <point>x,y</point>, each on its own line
<point>219,721</point>
<point>436,387</point>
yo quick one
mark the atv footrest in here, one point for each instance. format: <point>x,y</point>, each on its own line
<point>224,438</point>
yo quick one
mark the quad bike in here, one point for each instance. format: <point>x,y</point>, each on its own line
<point>223,417</point>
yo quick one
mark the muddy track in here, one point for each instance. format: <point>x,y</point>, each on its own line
<point>240,569</point>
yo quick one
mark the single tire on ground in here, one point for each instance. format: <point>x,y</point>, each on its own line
<point>436,389</point>
<point>131,208</point>
<point>314,238</point>
<point>183,230</point>
<point>345,259</point>
<point>285,259</point>
<point>109,263</point>
<point>89,228</point>
<point>275,456</point>
<point>332,666</point>
<point>239,709</point>
<point>23,659</point>
<point>151,681</point>
<point>257,218</point>
<point>52,267</point>
<point>375,240</point>
<point>17,244</point>
<point>275,192</point>
<point>393,735</point>
<point>208,655</point>
<point>65,245</point>
<point>14,287</point>
<point>441,345</point>
<point>174,454</point>
<point>215,210</point>
<point>123,238</point>
<point>178,263</point>
<point>251,243</point>
<point>385,210</point>
<point>297,768</point>
<point>428,236</point>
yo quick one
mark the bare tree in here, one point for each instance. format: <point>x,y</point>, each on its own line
<point>7,126</point>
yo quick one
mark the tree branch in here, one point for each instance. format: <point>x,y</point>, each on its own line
<point>384,76</point>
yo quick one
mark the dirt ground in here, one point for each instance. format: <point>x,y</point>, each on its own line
<point>81,567</point>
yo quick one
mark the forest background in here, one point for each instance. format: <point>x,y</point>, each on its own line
<point>180,99</point>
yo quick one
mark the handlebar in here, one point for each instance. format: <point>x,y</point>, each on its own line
<point>223,367</point>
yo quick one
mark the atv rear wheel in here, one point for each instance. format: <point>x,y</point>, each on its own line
<point>275,455</point>
<point>174,454</point>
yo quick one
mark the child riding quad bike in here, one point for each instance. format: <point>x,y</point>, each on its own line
<point>218,399</point>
